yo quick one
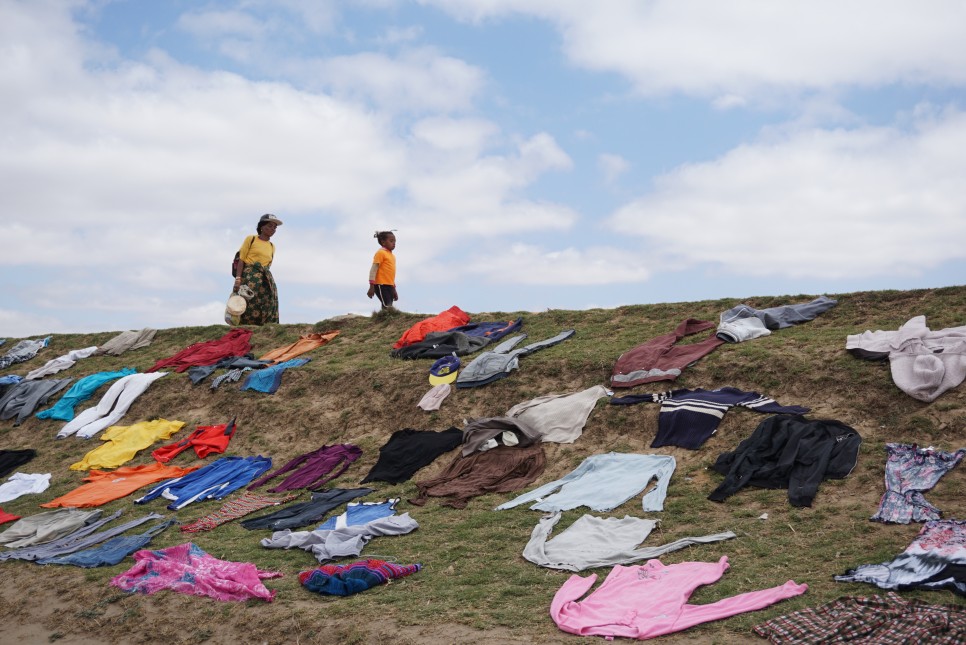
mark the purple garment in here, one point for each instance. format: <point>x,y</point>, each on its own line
<point>187,569</point>
<point>312,469</point>
<point>911,470</point>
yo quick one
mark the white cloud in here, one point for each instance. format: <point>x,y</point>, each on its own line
<point>524,264</point>
<point>214,24</point>
<point>750,49</point>
<point>824,203</point>
<point>612,166</point>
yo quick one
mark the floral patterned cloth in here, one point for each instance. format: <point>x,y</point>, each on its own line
<point>263,306</point>
<point>909,471</point>
<point>187,569</point>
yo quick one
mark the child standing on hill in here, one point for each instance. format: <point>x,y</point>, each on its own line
<point>382,274</point>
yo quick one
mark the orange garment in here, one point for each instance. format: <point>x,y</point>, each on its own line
<point>443,321</point>
<point>305,343</point>
<point>106,486</point>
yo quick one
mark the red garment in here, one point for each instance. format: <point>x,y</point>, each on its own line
<point>661,358</point>
<point>305,343</point>
<point>234,343</point>
<point>443,321</point>
<point>7,517</point>
<point>206,440</point>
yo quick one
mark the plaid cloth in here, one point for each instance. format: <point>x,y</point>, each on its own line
<point>882,620</point>
<point>235,508</point>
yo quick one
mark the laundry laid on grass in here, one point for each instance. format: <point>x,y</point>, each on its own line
<point>909,472</point>
<point>122,443</point>
<point>21,400</point>
<point>103,486</point>
<point>408,450</point>
<point>83,389</point>
<point>349,579</point>
<point>343,541</point>
<point>112,406</point>
<point>743,322</point>
<point>664,357</point>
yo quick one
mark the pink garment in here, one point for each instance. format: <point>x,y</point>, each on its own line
<point>443,321</point>
<point>187,569</point>
<point>651,600</point>
<point>434,398</point>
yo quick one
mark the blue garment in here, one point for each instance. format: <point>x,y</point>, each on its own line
<point>269,378</point>
<point>114,550</point>
<point>490,330</point>
<point>360,513</point>
<point>82,390</point>
<point>604,482</point>
<point>10,379</point>
<point>214,481</point>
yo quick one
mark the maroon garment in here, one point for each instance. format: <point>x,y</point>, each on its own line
<point>503,469</point>
<point>661,358</point>
<point>312,469</point>
<point>234,343</point>
<point>206,440</point>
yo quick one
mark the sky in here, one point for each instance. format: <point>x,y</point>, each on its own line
<point>529,154</point>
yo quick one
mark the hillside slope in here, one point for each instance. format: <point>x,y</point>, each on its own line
<point>475,584</point>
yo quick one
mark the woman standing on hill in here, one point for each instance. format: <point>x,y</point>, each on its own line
<point>256,255</point>
<point>382,274</point>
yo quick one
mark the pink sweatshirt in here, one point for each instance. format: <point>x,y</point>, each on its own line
<point>651,600</point>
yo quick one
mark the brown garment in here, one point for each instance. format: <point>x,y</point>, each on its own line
<point>305,343</point>
<point>501,470</point>
<point>662,358</point>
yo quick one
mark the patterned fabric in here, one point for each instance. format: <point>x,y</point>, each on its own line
<point>235,508</point>
<point>263,306</point>
<point>909,471</point>
<point>883,620</point>
<point>187,569</point>
<point>936,559</point>
<point>345,580</point>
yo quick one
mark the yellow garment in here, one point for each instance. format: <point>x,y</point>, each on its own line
<point>123,442</point>
<point>384,262</point>
<point>260,251</point>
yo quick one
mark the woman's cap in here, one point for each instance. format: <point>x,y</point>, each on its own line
<point>268,217</point>
<point>444,370</point>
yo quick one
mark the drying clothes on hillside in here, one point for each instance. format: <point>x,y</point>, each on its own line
<point>357,513</point>
<point>909,472</point>
<point>234,343</point>
<point>489,432</point>
<point>434,397</point>
<point>743,323</point>
<point>106,486</point>
<point>329,544</point>
<point>312,470</point>
<point>112,406</point>
<point>231,376</point>
<point>199,373</point>
<point>205,441</point>
<point>269,379</point>
<point>503,469</point>
<point>924,363</point>
<point>650,600</point>
<point>114,549</point>
<point>46,527</point>
<point>496,364</point>
<point>79,537</point>
<point>60,363</point>
<point>22,399</point>
<point>408,450</point>
<point>883,620</point>
<point>217,480</point>
<point>559,417</point>
<point>235,508</point>
<point>462,341</point>
<point>127,340</point>
<point>688,418</point>
<point>21,484</point>
<point>936,559</point>
<point>79,392</point>
<point>601,542</point>
<point>7,517</point>
<point>122,443</point>
<point>349,579</point>
<point>662,358</point>
<point>23,351</point>
<point>444,320</point>
<point>305,343</point>
<point>187,569</point>
<point>10,460</point>
<point>305,513</point>
<point>792,452</point>
<point>604,482</point>
<point>10,379</point>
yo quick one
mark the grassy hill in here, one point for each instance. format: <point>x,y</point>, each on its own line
<point>475,585</point>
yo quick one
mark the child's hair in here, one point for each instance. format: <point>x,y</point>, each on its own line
<point>381,236</point>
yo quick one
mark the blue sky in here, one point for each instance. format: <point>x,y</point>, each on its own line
<point>531,154</point>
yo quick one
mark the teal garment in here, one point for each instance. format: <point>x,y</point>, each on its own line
<point>80,392</point>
